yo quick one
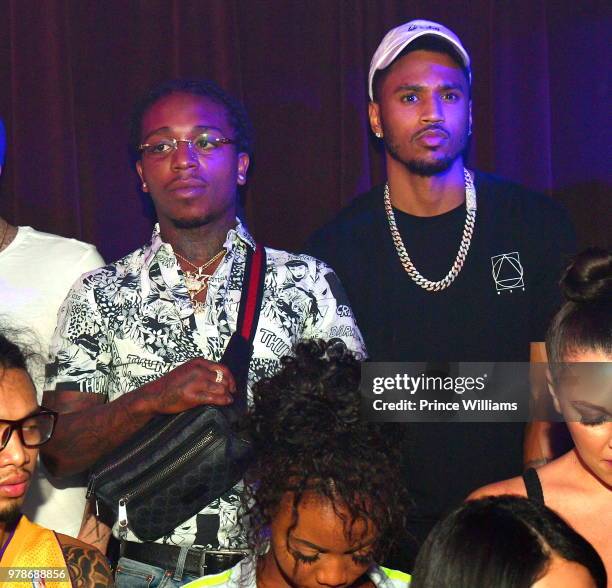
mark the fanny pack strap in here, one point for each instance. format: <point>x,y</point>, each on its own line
<point>237,355</point>
<point>252,292</point>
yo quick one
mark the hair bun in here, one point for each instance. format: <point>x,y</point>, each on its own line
<point>314,398</point>
<point>589,277</point>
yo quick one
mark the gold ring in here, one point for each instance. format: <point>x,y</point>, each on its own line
<point>219,376</point>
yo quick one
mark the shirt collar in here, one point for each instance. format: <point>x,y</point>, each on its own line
<point>238,233</point>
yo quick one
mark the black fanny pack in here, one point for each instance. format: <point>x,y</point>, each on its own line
<point>177,464</point>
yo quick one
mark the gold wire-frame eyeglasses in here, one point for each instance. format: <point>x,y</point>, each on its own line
<point>203,144</point>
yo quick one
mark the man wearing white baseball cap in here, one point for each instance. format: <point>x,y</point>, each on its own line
<point>397,39</point>
<point>441,263</point>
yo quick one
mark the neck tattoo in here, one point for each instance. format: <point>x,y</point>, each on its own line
<point>197,279</point>
<point>464,246</point>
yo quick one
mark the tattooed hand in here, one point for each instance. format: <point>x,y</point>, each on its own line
<point>191,384</point>
<point>87,567</point>
<point>90,427</point>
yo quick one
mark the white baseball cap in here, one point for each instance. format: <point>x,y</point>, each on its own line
<point>397,39</point>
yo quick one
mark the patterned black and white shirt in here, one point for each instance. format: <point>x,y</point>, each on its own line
<point>132,321</point>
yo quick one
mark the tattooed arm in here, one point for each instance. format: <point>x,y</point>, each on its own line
<point>93,531</point>
<point>89,427</point>
<point>87,567</point>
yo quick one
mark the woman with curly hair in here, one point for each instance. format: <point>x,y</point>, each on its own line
<point>324,500</point>
<point>578,485</point>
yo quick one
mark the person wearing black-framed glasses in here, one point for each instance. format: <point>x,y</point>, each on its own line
<point>34,429</point>
<point>29,552</point>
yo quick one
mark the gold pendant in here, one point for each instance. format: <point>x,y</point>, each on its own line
<point>198,307</point>
<point>193,284</point>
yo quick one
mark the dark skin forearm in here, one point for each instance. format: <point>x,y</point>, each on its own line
<point>93,531</point>
<point>88,428</point>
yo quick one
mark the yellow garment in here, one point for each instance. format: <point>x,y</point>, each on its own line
<point>39,550</point>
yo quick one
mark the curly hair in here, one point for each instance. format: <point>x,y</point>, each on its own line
<point>308,437</point>
<point>236,112</point>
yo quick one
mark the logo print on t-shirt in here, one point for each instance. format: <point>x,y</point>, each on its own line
<point>507,272</point>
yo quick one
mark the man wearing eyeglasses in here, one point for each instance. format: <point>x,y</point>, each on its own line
<point>132,337</point>
<point>30,554</point>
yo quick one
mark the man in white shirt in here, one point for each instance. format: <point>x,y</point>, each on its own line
<point>36,271</point>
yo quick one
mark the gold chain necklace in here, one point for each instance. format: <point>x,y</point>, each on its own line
<point>197,280</point>
<point>466,239</point>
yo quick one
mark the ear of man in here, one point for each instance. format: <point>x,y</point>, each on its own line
<point>141,176</point>
<point>374,116</point>
<point>243,166</point>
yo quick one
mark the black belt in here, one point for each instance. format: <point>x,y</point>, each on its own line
<point>199,562</point>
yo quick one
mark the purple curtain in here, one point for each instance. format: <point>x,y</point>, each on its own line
<point>71,71</point>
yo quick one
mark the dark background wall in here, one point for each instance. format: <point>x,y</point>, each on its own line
<point>72,69</point>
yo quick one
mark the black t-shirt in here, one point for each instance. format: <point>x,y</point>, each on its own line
<point>491,312</point>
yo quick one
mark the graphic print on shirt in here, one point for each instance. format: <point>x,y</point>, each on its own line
<point>132,321</point>
<point>507,272</point>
